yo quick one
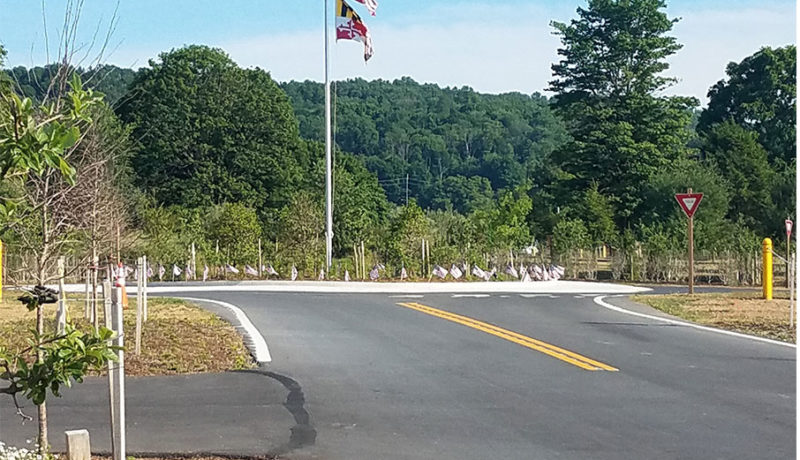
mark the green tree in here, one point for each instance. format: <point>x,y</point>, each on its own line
<point>210,132</point>
<point>302,225</point>
<point>33,140</point>
<point>599,217</point>
<point>742,161</point>
<point>759,94</point>
<point>407,227</point>
<point>606,86</point>
<point>236,228</point>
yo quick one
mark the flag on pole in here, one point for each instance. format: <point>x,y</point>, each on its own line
<point>440,271</point>
<point>321,275</point>
<point>545,273</point>
<point>205,272</point>
<point>371,5</point>
<point>294,273</point>
<point>346,275</point>
<point>403,273</point>
<point>189,272</point>
<point>250,270</point>
<point>161,271</point>
<point>373,274</point>
<point>526,277</point>
<point>349,26</point>
<point>231,269</point>
<point>149,271</point>
<point>271,271</point>
<point>455,271</point>
<point>176,271</point>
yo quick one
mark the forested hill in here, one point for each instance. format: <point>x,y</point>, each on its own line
<point>457,146</point>
<point>108,79</point>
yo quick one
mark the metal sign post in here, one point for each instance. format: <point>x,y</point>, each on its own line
<point>689,202</point>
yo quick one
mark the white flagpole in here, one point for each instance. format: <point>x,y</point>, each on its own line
<point>328,191</point>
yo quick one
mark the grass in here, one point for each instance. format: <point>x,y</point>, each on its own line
<point>178,338</point>
<point>740,311</point>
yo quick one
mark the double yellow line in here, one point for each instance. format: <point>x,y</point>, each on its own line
<point>543,347</point>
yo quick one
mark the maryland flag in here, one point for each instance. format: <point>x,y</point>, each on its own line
<point>349,26</point>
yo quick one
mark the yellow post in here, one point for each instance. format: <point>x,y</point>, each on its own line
<point>766,277</point>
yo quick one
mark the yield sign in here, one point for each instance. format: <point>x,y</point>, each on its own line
<point>689,202</point>
<point>788,227</point>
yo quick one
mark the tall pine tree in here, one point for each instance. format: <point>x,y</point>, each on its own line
<point>607,87</point>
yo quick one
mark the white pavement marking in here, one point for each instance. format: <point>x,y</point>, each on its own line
<point>260,349</point>
<point>540,287</point>
<point>530,296</point>
<point>407,296</point>
<point>599,301</point>
<point>476,296</point>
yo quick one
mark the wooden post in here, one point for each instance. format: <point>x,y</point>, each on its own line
<point>788,258</point>
<point>355,258</point>
<point>691,255</point>
<point>139,307</point>
<point>422,270</point>
<point>87,306</point>
<point>428,257</point>
<point>363,262</point>
<point>194,263</point>
<point>790,269</point>
<point>61,314</point>
<point>144,289</point>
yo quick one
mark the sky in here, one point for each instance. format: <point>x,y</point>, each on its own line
<point>492,46</point>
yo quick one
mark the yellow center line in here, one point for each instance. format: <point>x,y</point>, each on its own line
<point>549,349</point>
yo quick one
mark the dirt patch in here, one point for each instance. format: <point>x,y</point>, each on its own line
<point>741,311</point>
<point>178,338</point>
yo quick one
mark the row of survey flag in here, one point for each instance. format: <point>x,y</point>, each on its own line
<point>533,272</point>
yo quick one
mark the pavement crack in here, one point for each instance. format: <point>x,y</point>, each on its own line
<point>302,433</point>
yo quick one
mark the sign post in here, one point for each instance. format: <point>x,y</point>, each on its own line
<point>788,223</point>
<point>689,202</point>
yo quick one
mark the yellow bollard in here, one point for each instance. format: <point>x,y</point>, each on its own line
<point>766,277</point>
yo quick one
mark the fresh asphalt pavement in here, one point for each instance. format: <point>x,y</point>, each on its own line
<point>359,376</point>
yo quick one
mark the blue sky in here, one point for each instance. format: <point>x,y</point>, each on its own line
<point>497,46</point>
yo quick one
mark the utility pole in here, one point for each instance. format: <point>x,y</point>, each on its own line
<point>328,165</point>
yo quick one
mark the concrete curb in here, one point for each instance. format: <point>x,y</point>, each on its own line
<point>254,341</point>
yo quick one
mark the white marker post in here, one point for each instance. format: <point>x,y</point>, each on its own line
<point>119,373</point>
<point>788,223</point>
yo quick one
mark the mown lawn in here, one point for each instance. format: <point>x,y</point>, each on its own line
<point>178,338</point>
<point>740,311</point>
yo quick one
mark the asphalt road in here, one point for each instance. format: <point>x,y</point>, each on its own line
<point>359,376</point>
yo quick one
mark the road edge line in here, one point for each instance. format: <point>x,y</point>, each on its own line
<point>259,348</point>
<point>599,301</point>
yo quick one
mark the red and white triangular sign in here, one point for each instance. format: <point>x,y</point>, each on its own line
<point>788,227</point>
<point>689,202</point>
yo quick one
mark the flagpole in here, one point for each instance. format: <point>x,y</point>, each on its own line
<point>328,191</point>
